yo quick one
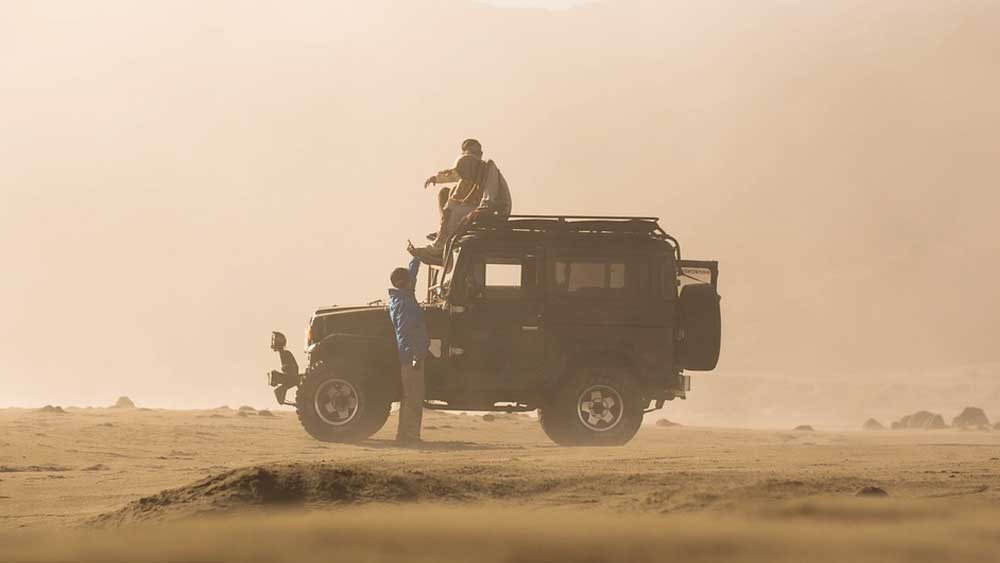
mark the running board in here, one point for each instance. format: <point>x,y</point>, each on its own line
<point>439,406</point>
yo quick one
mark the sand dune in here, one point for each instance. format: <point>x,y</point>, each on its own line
<point>857,531</point>
<point>211,485</point>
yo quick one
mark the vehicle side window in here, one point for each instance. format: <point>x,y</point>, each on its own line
<point>503,281</point>
<point>599,279</point>
<point>504,278</point>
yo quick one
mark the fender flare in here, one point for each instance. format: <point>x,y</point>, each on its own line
<point>369,354</point>
<point>586,356</point>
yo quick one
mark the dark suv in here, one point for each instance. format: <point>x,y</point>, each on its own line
<point>590,320</point>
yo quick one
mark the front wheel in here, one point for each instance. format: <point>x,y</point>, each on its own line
<point>597,405</point>
<point>341,407</point>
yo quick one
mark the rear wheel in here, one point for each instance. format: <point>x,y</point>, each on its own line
<point>596,405</point>
<point>341,407</point>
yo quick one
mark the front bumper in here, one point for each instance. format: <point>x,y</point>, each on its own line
<point>282,382</point>
<point>277,379</point>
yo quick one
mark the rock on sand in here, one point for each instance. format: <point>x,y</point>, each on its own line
<point>52,409</point>
<point>871,491</point>
<point>872,424</point>
<point>804,428</point>
<point>920,420</point>
<point>124,402</point>
<point>664,423</point>
<point>971,417</point>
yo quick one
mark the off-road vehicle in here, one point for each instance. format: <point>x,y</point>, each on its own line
<point>590,320</point>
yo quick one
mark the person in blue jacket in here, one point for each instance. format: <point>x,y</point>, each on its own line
<point>412,341</point>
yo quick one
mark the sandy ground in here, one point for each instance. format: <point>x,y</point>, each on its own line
<point>111,484</point>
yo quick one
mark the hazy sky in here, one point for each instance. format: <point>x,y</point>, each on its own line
<point>180,178</point>
<point>549,4</point>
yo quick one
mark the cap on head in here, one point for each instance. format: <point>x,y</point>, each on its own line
<point>399,278</point>
<point>472,146</point>
<point>278,340</point>
<point>467,166</point>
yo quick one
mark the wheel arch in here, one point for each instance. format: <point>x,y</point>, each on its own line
<point>369,357</point>
<point>573,360</point>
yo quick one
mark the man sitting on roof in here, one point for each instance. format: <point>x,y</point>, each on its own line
<point>480,189</point>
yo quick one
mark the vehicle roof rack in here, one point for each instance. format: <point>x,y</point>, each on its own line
<point>594,224</point>
<point>609,224</point>
<point>565,217</point>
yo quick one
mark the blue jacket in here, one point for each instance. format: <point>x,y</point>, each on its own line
<point>408,320</point>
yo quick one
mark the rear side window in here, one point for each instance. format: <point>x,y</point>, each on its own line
<point>600,279</point>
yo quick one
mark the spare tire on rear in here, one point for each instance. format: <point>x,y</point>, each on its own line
<point>699,316</point>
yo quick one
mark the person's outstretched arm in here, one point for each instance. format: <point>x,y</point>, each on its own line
<point>414,269</point>
<point>443,177</point>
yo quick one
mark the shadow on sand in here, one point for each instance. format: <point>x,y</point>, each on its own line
<point>443,445</point>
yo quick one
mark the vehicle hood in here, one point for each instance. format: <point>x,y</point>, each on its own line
<point>366,320</point>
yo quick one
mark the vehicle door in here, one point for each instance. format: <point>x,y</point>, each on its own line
<point>496,334</point>
<point>600,302</point>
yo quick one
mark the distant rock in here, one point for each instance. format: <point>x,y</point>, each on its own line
<point>244,413</point>
<point>871,424</point>
<point>489,417</point>
<point>804,428</point>
<point>664,423</point>
<point>52,409</point>
<point>124,403</point>
<point>871,491</point>
<point>971,417</point>
<point>264,412</point>
<point>920,420</point>
<point>245,408</point>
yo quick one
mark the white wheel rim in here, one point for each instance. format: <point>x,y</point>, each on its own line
<point>600,408</point>
<point>336,402</point>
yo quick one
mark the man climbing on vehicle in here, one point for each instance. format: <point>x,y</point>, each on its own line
<point>288,376</point>
<point>480,189</point>
<point>412,342</point>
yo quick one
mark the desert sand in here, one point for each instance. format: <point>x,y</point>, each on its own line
<point>212,485</point>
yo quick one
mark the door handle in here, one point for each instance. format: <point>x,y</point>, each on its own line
<point>536,326</point>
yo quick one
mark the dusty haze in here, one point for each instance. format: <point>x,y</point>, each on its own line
<point>179,178</point>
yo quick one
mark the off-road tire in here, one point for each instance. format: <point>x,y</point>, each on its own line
<point>565,424</point>
<point>351,420</point>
